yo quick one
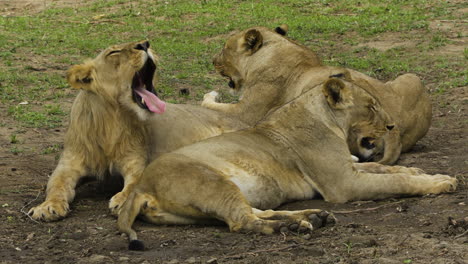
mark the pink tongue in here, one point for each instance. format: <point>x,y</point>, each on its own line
<point>153,103</point>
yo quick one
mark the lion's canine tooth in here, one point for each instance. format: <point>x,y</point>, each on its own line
<point>142,101</point>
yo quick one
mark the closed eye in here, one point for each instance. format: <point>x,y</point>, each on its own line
<point>112,52</point>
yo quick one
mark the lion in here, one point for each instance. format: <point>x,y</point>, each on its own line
<point>260,64</point>
<point>299,150</point>
<point>114,129</point>
<point>407,101</point>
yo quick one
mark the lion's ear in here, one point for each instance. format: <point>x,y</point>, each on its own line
<point>253,40</point>
<point>337,93</point>
<point>80,76</point>
<point>282,30</point>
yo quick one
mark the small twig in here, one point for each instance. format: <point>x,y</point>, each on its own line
<point>26,213</point>
<point>365,209</point>
<point>462,234</point>
<point>259,251</point>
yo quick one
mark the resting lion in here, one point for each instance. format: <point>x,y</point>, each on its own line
<point>297,151</point>
<point>407,102</point>
<point>267,69</point>
<point>113,129</point>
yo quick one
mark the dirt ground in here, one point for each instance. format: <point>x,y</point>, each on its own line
<point>429,229</point>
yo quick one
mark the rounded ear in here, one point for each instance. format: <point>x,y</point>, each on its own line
<point>337,94</point>
<point>80,76</point>
<point>253,40</point>
<point>282,30</point>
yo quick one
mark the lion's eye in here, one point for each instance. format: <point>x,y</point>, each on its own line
<point>113,52</point>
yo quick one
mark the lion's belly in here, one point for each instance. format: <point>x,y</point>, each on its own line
<point>266,181</point>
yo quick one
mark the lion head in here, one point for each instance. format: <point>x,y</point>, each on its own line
<point>253,49</point>
<point>366,120</point>
<point>121,75</point>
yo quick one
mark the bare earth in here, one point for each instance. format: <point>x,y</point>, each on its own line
<point>430,229</point>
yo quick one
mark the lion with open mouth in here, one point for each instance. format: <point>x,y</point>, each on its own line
<point>118,125</point>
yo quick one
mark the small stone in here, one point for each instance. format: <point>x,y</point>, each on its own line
<point>124,259</point>
<point>192,260</point>
<point>307,236</point>
<point>30,236</point>
<point>293,227</point>
<point>315,220</point>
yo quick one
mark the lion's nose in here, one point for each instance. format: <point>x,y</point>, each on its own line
<point>143,46</point>
<point>390,127</point>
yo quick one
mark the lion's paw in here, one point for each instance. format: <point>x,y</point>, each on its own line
<point>306,221</point>
<point>50,210</point>
<point>210,97</point>
<point>116,202</point>
<point>443,183</point>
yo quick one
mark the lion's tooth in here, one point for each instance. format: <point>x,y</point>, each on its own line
<point>142,101</point>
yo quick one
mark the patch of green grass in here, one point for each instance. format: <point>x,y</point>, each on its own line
<point>16,150</point>
<point>186,34</point>
<point>14,139</point>
<point>50,118</point>
<point>52,149</point>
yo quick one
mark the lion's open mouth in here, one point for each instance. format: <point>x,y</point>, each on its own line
<point>143,91</point>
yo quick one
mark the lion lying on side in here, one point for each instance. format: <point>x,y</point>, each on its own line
<point>267,68</point>
<point>291,155</point>
<point>113,129</point>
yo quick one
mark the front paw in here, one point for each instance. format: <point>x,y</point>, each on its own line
<point>210,98</point>
<point>443,183</point>
<point>50,210</point>
<point>116,202</point>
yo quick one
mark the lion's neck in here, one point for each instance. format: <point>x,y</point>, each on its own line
<point>101,131</point>
<point>304,120</point>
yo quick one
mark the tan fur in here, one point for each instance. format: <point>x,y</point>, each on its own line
<point>407,101</point>
<point>299,150</point>
<point>109,134</point>
<point>265,78</point>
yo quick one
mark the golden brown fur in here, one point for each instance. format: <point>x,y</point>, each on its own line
<point>109,134</point>
<point>265,78</point>
<point>299,150</point>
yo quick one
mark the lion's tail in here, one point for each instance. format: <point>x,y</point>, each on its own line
<point>127,215</point>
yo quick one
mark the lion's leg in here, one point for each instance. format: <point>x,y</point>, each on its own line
<point>60,189</point>
<point>369,186</point>
<point>374,167</point>
<point>392,148</point>
<point>131,168</point>
<point>209,101</point>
